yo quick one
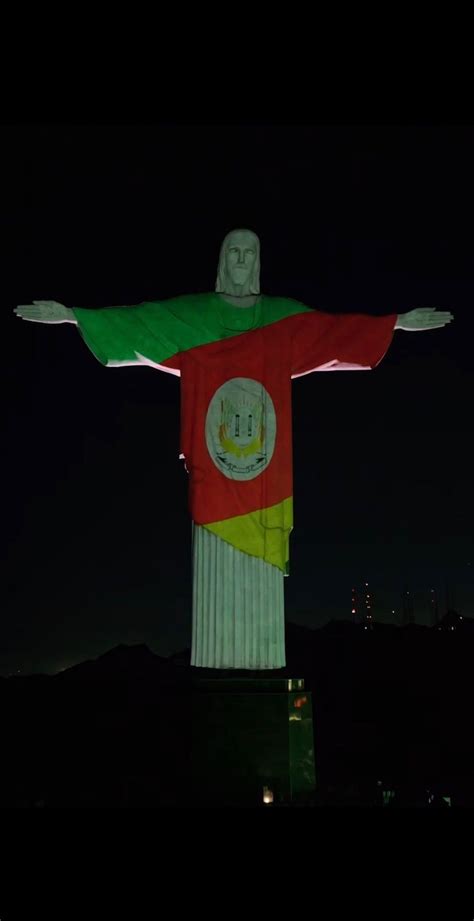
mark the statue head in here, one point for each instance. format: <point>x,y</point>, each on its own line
<point>238,272</point>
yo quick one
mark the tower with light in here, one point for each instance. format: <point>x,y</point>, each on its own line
<point>368,607</point>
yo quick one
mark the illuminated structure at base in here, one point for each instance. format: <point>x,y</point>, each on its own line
<point>252,742</point>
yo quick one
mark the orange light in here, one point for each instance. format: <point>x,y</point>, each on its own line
<point>300,702</point>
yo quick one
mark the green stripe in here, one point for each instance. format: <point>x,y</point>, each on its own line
<point>161,329</point>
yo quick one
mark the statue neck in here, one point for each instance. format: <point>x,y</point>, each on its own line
<point>245,300</point>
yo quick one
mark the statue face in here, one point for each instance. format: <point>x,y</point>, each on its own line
<point>240,256</point>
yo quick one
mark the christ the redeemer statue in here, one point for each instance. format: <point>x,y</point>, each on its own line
<point>236,351</point>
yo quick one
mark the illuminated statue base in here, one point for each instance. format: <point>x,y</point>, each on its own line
<point>252,742</point>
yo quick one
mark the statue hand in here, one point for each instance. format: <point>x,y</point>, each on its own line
<point>45,312</point>
<point>423,318</point>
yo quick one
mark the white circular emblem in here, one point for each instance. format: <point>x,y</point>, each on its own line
<point>241,428</point>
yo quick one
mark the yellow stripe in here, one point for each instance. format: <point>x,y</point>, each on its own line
<point>264,533</point>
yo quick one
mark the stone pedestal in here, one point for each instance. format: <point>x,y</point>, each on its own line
<point>252,742</point>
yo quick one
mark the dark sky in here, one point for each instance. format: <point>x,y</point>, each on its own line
<point>372,219</point>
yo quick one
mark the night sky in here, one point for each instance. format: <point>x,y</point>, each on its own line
<point>96,530</point>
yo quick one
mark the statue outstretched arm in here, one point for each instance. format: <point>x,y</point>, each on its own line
<point>353,341</point>
<point>339,342</point>
<point>146,334</point>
